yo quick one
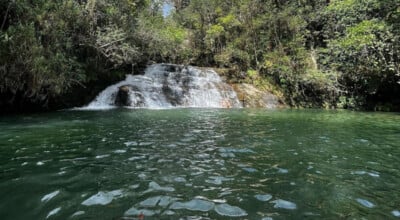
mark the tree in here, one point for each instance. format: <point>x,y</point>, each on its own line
<point>50,47</point>
<point>364,47</point>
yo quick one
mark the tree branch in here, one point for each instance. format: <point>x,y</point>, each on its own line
<point>112,42</point>
<point>6,15</point>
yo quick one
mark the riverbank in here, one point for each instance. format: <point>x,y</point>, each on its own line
<point>252,92</point>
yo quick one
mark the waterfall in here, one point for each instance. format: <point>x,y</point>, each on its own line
<point>168,86</point>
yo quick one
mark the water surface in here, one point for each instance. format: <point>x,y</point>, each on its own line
<point>200,164</point>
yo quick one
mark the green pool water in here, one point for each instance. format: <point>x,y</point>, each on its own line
<point>200,164</point>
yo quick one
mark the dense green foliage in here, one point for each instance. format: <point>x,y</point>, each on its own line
<point>49,47</point>
<point>338,53</point>
<point>342,53</point>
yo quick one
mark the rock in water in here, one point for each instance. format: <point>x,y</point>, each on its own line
<point>129,95</point>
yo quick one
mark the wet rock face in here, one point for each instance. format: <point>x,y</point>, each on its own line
<point>129,95</point>
<point>251,97</point>
<point>177,87</point>
<point>166,86</point>
<point>172,67</point>
<point>122,98</point>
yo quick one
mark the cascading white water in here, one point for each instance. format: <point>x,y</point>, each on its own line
<point>167,86</point>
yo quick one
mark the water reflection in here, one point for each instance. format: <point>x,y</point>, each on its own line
<point>191,163</point>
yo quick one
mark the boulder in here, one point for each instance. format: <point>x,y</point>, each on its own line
<point>129,95</point>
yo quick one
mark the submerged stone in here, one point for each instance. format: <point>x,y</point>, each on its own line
<point>263,198</point>
<point>231,211</point>
<point>283,204</point>
<point>194,205</point>
<point>366,203</point>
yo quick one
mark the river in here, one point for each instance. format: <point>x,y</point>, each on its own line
<point>200,164</point>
